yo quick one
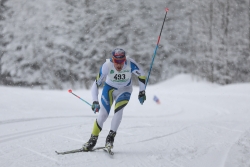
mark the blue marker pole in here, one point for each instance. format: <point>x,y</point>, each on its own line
<point>151,65</point>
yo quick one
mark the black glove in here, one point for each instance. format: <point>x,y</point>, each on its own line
<point>95,106</point>
<point>142,96</point>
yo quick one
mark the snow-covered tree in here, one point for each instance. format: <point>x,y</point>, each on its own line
<point>61,44</point>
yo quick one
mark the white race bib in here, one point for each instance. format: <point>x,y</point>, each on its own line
<point>119,78</point>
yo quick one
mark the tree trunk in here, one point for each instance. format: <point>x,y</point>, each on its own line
<point>211,41</point>
<point>193,49</point>
<point>226,43</point>
<point>1,55</point>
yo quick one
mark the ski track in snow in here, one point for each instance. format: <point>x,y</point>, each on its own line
<point>70,138</point>
<point>40,154</point>
<point>209,128</point>
<point>157,137</point>
<point>35,119</point>
<point>14,136</point>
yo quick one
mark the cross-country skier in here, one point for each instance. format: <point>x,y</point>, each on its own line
<point>117,87</point>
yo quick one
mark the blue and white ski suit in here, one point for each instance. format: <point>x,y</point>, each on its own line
<point>118,88</point>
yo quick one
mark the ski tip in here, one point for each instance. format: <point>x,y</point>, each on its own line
<point>59,153</point>
<point>166,9</point>
<point>70,91</point>
<point>108,151</point>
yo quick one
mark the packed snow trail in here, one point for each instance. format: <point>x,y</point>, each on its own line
<point>196,124</point>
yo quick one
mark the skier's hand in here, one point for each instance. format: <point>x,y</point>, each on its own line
<point>142,96</point>
<point>95,106</point>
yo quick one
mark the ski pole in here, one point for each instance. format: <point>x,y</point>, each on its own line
<point>70,91</point>
<point>156,48</point>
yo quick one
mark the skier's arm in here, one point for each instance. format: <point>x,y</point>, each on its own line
<point>94,91</point>
<point>138,71</point>
<point>98,81</point>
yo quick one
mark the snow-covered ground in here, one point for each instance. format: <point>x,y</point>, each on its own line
<point>197,124</point>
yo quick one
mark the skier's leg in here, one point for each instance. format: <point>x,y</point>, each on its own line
<point>121,101</point>
<point>106,103</point>
<point>116,120</point>
<point>98,124</point>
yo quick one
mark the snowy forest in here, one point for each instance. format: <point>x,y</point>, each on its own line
<point>52,44</point>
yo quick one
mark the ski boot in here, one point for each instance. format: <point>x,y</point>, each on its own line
<point>90,144</point>
<point>110,139</point>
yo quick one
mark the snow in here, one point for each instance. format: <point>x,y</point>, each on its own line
<point>52,44</point>
<point>197,124</point>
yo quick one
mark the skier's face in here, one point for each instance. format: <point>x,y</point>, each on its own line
<point>119,63</point>
<point>118,67</point>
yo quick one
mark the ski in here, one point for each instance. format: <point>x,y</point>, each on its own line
<point>78,150</point>
<point>108,150</point>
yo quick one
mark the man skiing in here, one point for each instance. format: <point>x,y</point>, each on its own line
<point>117,87</point>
